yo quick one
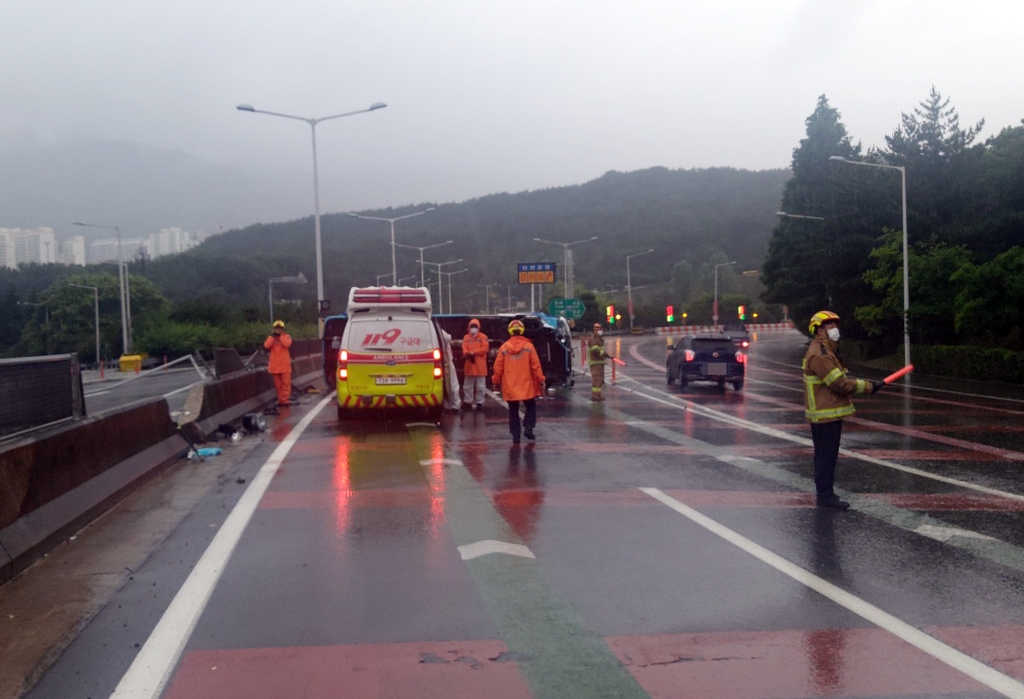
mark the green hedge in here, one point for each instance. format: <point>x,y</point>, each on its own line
<point>969,362</point>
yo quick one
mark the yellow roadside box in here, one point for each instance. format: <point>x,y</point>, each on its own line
<point>131,362</point>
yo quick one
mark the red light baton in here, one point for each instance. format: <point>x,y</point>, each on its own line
<point>898,374</point>
<point>618,361</point>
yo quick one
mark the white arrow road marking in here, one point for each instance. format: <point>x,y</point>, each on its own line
<point>482,548</point>
<point>946,533</point>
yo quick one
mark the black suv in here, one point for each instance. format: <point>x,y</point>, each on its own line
<point>706,357</point>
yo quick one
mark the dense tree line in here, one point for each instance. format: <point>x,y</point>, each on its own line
<point>842,246</point>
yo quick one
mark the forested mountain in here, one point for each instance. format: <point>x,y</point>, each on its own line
<point>683,214</point>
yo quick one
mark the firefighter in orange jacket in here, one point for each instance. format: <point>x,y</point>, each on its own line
<point>474,350</point>
<point>517,370</point>
<point>827,391</point>
<point>280,365</point>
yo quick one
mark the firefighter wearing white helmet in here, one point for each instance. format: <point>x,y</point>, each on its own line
<point>827,391</point>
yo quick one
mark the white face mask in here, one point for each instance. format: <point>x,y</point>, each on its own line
<point>600,332</point>
<point>833,334</point>
<point>474,330</point>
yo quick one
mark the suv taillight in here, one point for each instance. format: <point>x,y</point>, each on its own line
<point>690,355</point>
<point>437,363</point>
<point>343,365</point>
<point>741,358</point>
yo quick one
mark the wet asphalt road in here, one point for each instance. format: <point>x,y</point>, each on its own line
<point>659,544</point>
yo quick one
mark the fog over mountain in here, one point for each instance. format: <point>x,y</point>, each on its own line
<point>138,188</point>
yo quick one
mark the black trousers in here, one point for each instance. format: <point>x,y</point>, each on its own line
<point>826,436</point>
<point>513,416</point>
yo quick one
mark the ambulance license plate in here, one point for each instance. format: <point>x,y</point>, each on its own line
<point>390,380</point>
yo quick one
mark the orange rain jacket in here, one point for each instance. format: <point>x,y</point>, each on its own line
<point>280,359</point>
<point>474,351</point>
<point>517,370</point>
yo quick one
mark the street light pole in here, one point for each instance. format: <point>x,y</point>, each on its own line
<point>487,293</point>
<point>300,278</point>
<point>714,307</point>
<point>316,188</point>
<point>122,277</point>
<point>458,271</point>
<point>421,248</point>
<point>570,291</point>
<point>394,263</point>
<point>96,301</point>
<point>906,260</point>
<point>440,285</point>
<point>629,286</point>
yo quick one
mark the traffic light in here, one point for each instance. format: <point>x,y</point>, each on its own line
<point>741,312</point>
<point>610,315</point>
<point>669,314</point>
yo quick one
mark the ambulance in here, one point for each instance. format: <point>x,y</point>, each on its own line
<point>391,353</point>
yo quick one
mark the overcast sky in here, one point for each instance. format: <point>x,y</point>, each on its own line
<point>488,96</point>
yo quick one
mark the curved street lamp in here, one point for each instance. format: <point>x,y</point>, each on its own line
<point>394,264</point>
<point>126,294</point>
<point>714,306</point>
<point>629,287</point>
<point>316,188</point>
<point>421,248</point>
<point>570,291</point>
<point>96,301</point>
<point>906,269</point>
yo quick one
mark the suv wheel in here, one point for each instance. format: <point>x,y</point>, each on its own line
<point>669,379</point>
<point>682,381</point>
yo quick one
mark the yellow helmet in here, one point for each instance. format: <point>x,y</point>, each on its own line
<point>278,323</point>
<point>821,317</point>
<point>516,327</point>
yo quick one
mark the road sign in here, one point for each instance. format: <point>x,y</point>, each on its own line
<point>536,272</point>
<point>572,309</point>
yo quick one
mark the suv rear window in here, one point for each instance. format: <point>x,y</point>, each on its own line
<point>383,335</point>
<point>701,345</point>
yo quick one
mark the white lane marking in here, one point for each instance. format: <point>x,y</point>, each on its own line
<point>482,548</point>
<point>496,397</point>
<point>96,393</point>
<point>946,533</point>
<point>976,670</point>
<point>779,434</point>
<point>152,667</point>
<point>442,461</point>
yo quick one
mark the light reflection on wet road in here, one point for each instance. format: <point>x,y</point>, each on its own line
<point>348,580</point>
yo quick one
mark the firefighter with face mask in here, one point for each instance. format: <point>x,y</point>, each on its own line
<point>475,347</point>
<point>827,391</point>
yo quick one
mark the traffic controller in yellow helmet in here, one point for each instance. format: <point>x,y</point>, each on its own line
<point>821,317</point>
<point>278,323</point>
<point>516,327</point>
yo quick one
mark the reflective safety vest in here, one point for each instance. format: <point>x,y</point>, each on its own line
<point>827,388</point>
<point>596,353</point>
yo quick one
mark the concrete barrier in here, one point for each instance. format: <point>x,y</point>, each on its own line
<point>58,479</point>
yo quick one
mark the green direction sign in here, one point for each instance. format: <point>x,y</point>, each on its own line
<point>572,309</point>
